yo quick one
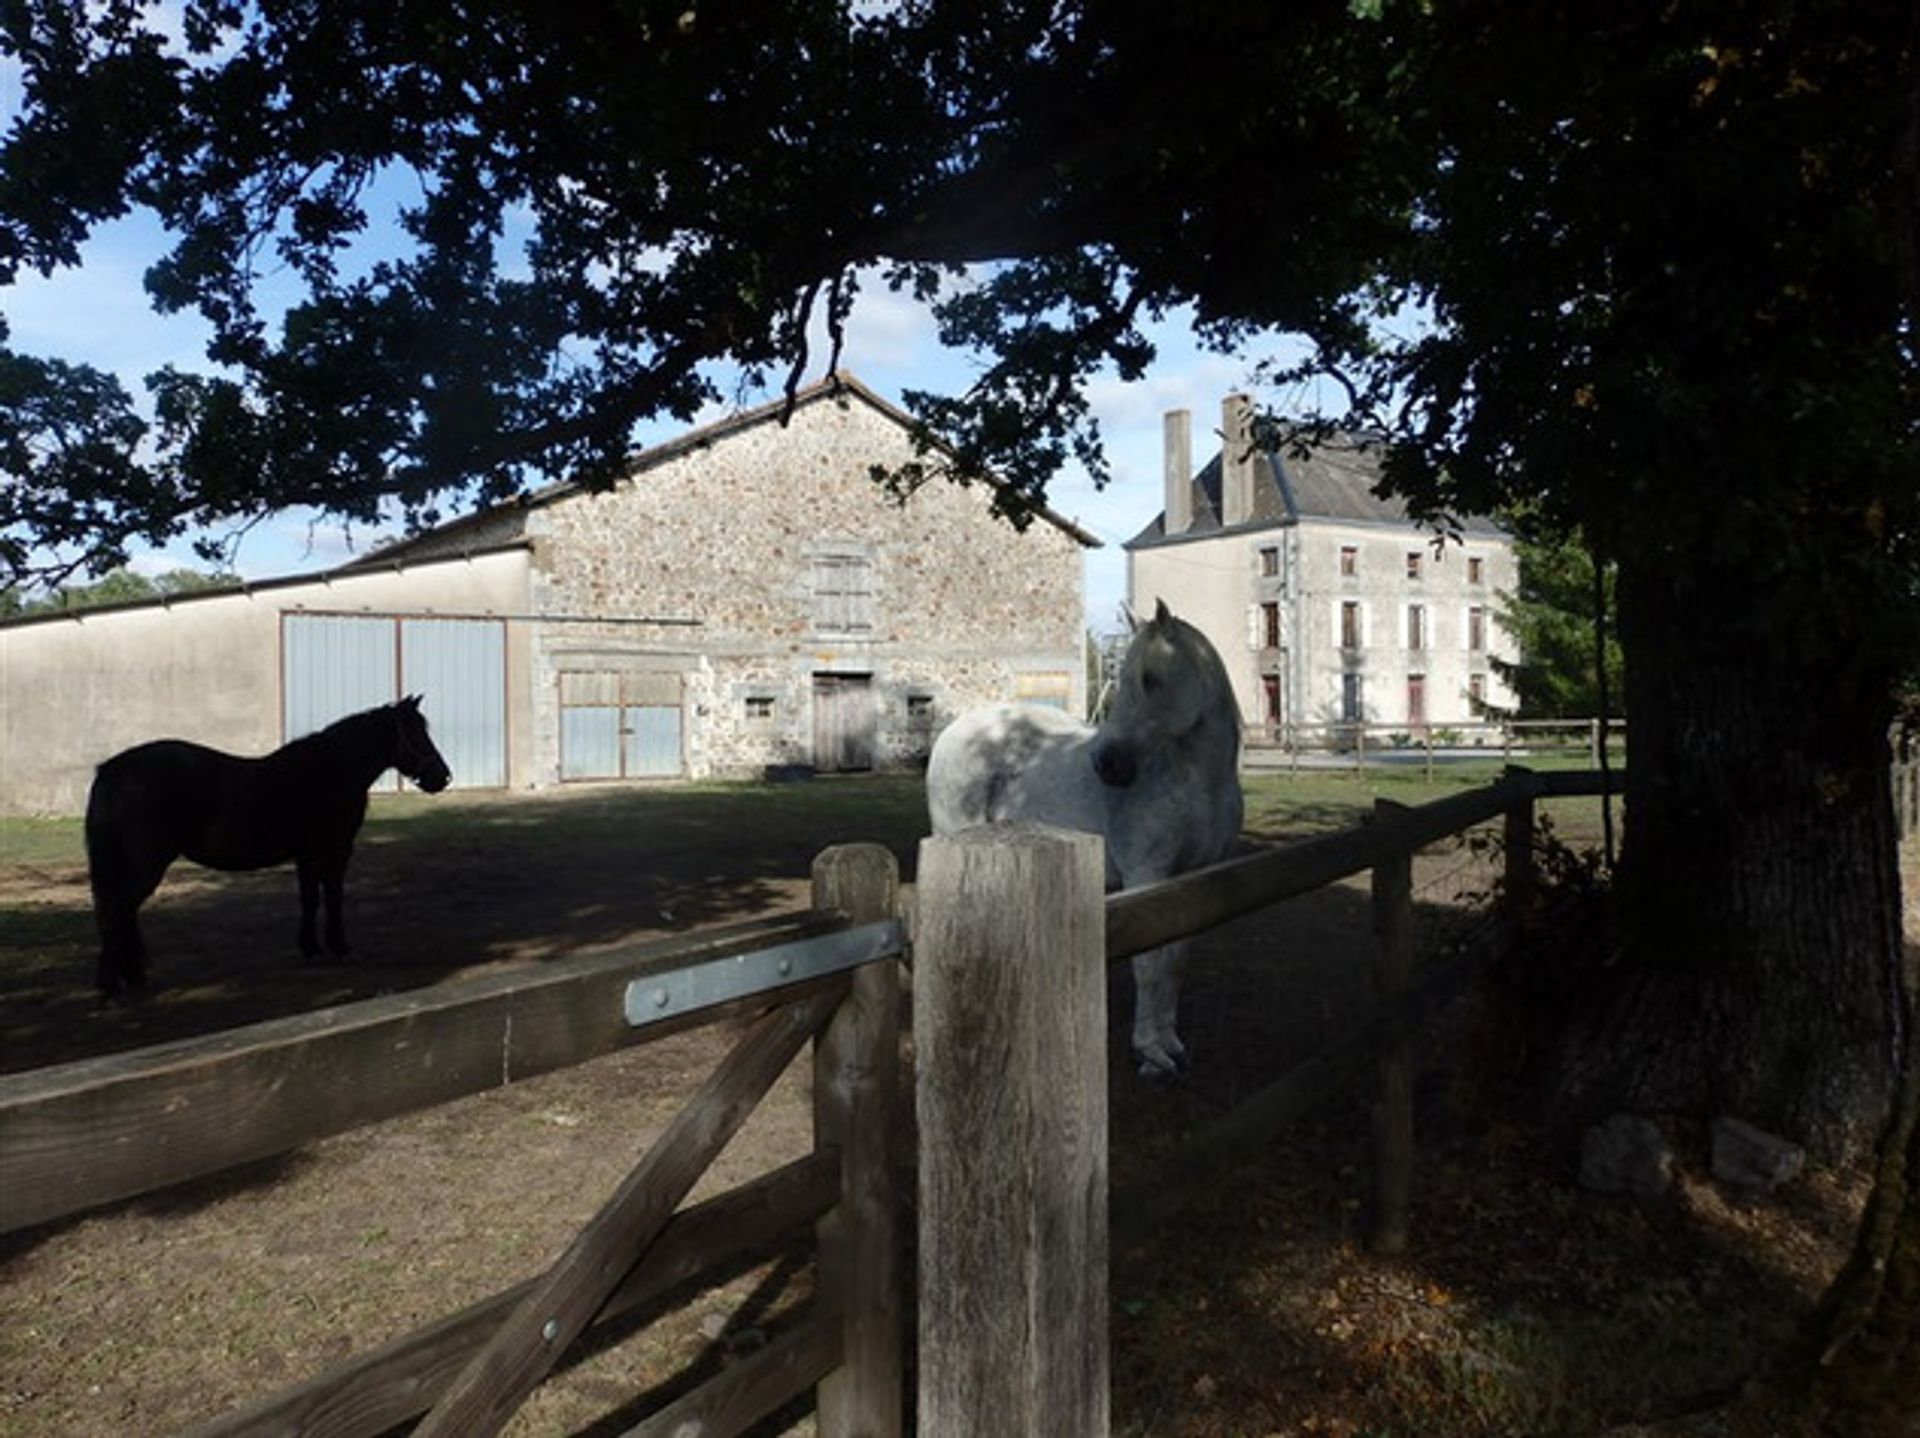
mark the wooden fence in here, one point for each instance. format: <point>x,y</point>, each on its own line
<point>1356,745</point>
<point>1013,936</point>
<point>1009,974</point>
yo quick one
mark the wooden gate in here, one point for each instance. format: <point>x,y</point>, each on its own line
<point>76,1135</point>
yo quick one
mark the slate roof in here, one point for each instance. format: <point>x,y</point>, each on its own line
<point>1332,479</point>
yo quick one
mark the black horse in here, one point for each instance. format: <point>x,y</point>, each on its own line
<point>304,802</point>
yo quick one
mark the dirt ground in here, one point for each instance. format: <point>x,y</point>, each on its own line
<point>1525,1306</point>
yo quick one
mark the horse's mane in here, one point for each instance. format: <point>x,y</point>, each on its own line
<point>346,729</point>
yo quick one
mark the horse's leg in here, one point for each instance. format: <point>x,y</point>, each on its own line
<point>309,870</point>
<point>1156,1003</point>
<point>121,882</point>
<point>333,876</point>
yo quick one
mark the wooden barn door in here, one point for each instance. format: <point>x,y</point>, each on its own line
<point>844,721</point>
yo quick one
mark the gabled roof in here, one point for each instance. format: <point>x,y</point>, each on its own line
<point>1331,479</point>
<point>836,385</point>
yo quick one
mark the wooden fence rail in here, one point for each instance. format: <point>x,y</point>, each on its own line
<point>76,1135</point>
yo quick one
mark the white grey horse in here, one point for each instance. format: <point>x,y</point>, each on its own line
<point>1159,780</point>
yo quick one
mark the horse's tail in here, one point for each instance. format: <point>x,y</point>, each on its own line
<point>106,857</point>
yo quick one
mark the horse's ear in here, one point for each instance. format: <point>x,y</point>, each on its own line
<point>412,701</point>
<point>1161,614</point>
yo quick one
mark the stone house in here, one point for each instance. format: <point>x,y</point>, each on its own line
<point>1330,606</point>
<point>747,597</point>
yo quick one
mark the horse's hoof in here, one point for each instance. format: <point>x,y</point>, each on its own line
<point>1159,1065</point>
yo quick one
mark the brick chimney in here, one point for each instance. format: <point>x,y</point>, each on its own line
<point>1236,460</point>
<point>1179,470</point>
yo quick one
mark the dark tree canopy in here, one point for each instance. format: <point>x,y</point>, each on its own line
<point>604,197</point>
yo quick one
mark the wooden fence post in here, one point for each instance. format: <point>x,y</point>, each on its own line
<point>856,1086</point>
<point>1393,1094</point>
<point>1009,1022</point>
<point>1518,842</point>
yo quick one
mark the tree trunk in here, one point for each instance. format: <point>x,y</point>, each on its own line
<point>1856,1369</point>
<point>1761,971</point>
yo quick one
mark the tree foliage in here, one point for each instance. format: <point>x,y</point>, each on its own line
<point>602,199</point>
<point>118,586</point>
<point>1552,614</point>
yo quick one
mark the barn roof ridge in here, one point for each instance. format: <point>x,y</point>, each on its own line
<point>834,384</point>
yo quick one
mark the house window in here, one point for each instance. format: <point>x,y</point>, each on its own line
<point>1270,698</point>
<point>1416,626</point>
<point>1349,561</point>
<point>1477,629</point>
<point>1269,561</point>
<point>842,593</point>
<point>759,709</point>
<point>1350,624</point>
<point>1476,569</point>
<point>1270,625</point>
<point>920,713</point>
<point>1477,691</point>
<point>1417,700</point>
<point>1413,563</point>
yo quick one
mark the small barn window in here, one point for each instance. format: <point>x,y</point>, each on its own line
<point>1349,560</point>
<point>1414,558</point>
<point>920,712</point>
<point>1269,561</point>
<point>1416,627</point>
<point>1350,624</point>
<point>1476,569</point>
<point>1270,625</point>
<point>1477,629</point>
<point>760,709</point>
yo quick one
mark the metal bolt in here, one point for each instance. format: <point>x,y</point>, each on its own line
<point>786,966</point>
<point>552,1330</point>
<point>660,998</point>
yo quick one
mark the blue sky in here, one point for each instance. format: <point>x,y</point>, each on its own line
<point>99,315</point>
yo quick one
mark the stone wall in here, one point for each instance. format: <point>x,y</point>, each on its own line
<point>745,536</point>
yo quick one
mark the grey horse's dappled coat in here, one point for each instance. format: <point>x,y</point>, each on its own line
<point>1159,780</point>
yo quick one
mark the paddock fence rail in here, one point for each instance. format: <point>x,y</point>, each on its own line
<point>1358,746</point>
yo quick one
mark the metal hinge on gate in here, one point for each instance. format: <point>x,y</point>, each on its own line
<point>718,981</point>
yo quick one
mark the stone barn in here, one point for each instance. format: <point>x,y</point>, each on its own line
<point>747,598</point>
